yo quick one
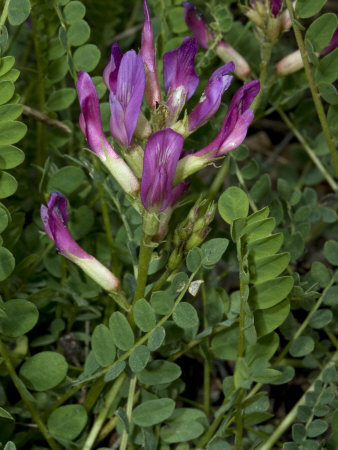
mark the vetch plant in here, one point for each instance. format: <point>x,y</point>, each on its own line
<point>168,247</point>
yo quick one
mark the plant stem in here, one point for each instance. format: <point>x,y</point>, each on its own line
<point>160,282</point>
<point>146,251</point>
<point>266,50</point>
<point>35,415</point>
<point>219,180</point>
<point>309,150</point>
<point>4,14</point>
<point>130,402</point>
<point>314,90</point>
<point>243,184</point>
<point>103,413</point>
<point>206,365</point>
<point>288,420</point>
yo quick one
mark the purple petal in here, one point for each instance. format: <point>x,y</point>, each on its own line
<point>236,122</point>
<point>152,89</point>
<point>178,68</point>
<point>275,6</point>
<point>55,221</point>
<point>211,97</point>
<point>332,45</point>
<point>90,117</point>
<point>111,71</point>
<point>129,95</point>
<point>196,23</point>
<point>161,155</point>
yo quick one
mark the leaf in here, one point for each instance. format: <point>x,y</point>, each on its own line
<point>156,339</point>
<point>122,333</point>
<point>162,302</point>
<point>61,99</point>
<point>10,446</point>
<point>12,132</point>
<point>144,315</point>
<point>301,346</point>
<point>255,418</point>
<point>21,317</point>
<point>5,414</point>
<point>115,371</point>
<point>316,428</point>
<point>233,204</point>
<point>7,263</point>
<point>213,251</point>
<point>268,268</point>
<point>6,91</point>
<point>139,358</point>
<point>78,33</point>
<point>320,274</point>
<point>185,316</point>
<point>321,318</point>
<point>331,252</point>
<point>74,11</point>
<point>265,246</point>
<point>184,431</point>
<point>152,412</point>
<point>321,31</point>
<point>217,302</point>
<point>267,320</point>
<point>225,344</point>
<point>327,68</point>
<point>66,180</point>
<point>44,370</point>
<point>159,372</point>
<point>18,11</point>
<point>265,347</point>
<point>194,259</point>
<point>10,156</point>
<point>261,188</point>
<point>86,57</point>
<point>103,345</point>
<point>67,422</point>
<point>6,63</point>
<point>270,293</point>
<point>306,9</point>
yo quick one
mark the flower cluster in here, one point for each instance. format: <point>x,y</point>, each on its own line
<point>150,164</point>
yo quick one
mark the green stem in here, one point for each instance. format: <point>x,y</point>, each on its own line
<point>130,402</point>
<point>40,126</point>
<point>103,413</point>
<point>219,180</point>
<point>313,87</point>
<point>34,413</point>
<point>309,150</point>
<point>266,51</point>
<point>288,420</point>
<point>4,14</point>
<point>146,251</point>
<point>206,368</point>
<point>239,421</point>
<point>243,184</point>
<point>160,282</point>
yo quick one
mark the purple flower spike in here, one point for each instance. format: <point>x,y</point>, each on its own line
<point>125,103</point>
<point>180,79</point>
<point>196,23</point>
<point>90,117</point>
<point>112,68</point>
<point>152,91</point>
<point>211,97</point>
<point>236,122</point>
<point>161,155</point>
<point>55,222</point>
<point>275,6</point>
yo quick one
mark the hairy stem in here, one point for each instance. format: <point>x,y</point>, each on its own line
<point>314,89</point>
<point>4,14</point>
<point>130,402</point>
<point>146,251</point>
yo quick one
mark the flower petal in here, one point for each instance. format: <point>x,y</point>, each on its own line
<point>161,155</point>
<point>211,97</point>
<point>196,23</point>
<point>275,6</point>
<point>112,68</point>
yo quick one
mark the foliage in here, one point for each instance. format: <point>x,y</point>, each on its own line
<point>233,341</point>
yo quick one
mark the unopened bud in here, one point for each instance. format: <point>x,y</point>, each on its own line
<point>175,259</point>
<point>196,239</point>
<point>143,129</point>
<point>227,53</point>
<point>290,64</point>
<point>274,28</point>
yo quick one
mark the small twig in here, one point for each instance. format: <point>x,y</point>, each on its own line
<point>38,115</point>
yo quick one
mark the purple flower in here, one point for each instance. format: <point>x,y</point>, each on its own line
<point>152,90</point>
<point>90,118</point>
<point>91,126</point>
<point>55,222</point>
<point>180,79</point>
<point>211,97</point>
<point>161,155</point>
<point>112,68</point>
<point>196,23</point>
<point>125,102</point>
<point>236,122</point>
<point>275,6</point>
